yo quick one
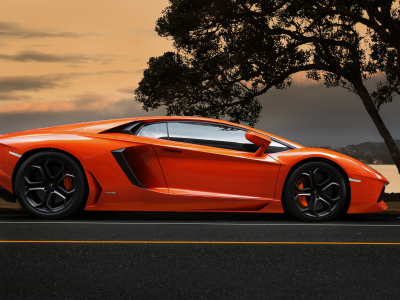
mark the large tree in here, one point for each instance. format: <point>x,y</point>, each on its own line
<point>228,52</point>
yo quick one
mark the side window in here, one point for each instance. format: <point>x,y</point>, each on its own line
<point>156,131</point>
<point>275,147</point>
<point>216,135</point>
<point>210,134</point>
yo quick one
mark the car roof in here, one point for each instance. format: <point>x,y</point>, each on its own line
<point>97,127</point>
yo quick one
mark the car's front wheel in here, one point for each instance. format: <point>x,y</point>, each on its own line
<point>51,185</point>
<point>315,192</point>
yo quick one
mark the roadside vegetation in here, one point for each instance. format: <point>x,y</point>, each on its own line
<point>368,152</point>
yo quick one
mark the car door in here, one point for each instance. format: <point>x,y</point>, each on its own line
<point>211,159</point>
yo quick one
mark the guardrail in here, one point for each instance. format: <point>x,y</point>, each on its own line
<point>391,197</point>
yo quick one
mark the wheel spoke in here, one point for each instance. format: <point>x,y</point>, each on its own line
<point>59,194</point>
<point>314,177</point>
<point>309,180</point>
<point>43,199</point>
<point>326,202</point>
<point>329,198</point>
<point>48,200</point>
<point>46,195</point>
<point>62,196</point>
<point>34,189</point>
<point>333,185</point>
<point>59,174</point>
<point>312,205</point>
<point>302,209</point>
<point>47,168</point>
<point>321,185</point>
<point>307,189</point>
<point>36,182</point>
<point>304,194</point>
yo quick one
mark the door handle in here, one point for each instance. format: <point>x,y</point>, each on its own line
<point>172,150</point>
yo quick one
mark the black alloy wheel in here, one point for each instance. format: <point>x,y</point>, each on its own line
<point>315,192</point>
<point>51,185</point>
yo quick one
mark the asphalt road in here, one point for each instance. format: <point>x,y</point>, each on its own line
<point>198,256</point>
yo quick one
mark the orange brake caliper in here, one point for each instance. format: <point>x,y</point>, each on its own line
<point>302,200</point>
<point>67,183</point>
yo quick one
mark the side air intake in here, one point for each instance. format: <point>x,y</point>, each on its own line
<point>121,160</point>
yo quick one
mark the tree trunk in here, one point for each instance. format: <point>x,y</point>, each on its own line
<point>374,114</point>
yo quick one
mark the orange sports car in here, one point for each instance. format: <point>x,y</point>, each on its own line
<point>180,164</point>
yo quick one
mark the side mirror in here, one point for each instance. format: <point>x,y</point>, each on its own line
<point>260,140</point>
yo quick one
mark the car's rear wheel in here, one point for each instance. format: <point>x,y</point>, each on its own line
<point>315,192</point>
<point>51,185</point>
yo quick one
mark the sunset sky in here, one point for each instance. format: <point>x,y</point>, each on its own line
<point>74,61</point>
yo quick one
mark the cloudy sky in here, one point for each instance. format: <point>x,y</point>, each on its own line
<point>74,61</point>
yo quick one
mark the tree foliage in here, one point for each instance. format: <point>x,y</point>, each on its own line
<point>229,52</point>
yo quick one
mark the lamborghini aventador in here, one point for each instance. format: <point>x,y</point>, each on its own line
<point>180,164</point>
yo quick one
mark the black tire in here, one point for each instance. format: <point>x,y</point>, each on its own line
<point>51,185</point>
<point>315,192</point>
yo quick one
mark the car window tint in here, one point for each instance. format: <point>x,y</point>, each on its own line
<point>276,147</point>
<point>208,134</point>
<point>156,131</point>
<point>216,135</point>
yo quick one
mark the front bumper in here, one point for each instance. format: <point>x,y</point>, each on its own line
<point>367,189</point>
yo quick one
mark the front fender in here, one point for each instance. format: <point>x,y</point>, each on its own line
<point>364,194</point>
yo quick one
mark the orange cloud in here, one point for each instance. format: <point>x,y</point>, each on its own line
<point>84,102</point>
<point>128,90</point>
<point>13,96</point>
<point>14,30</point>
<point>48,81</point>
<point>37,56</point>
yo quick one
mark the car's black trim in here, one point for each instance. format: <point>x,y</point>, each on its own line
<point>121,160</point>
<point>235,127</point>
<point>131,129</point>
<point>135,127</point>
<point>7,196</point>
<point>381,195</point>
<point>228,145</point>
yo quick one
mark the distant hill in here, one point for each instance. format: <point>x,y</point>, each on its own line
<point>368,152</point>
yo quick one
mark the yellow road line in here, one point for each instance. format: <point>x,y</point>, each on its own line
<point>202,242</point>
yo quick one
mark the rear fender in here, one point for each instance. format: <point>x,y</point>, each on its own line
<point>78,146</point>
<point>14,150</point>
